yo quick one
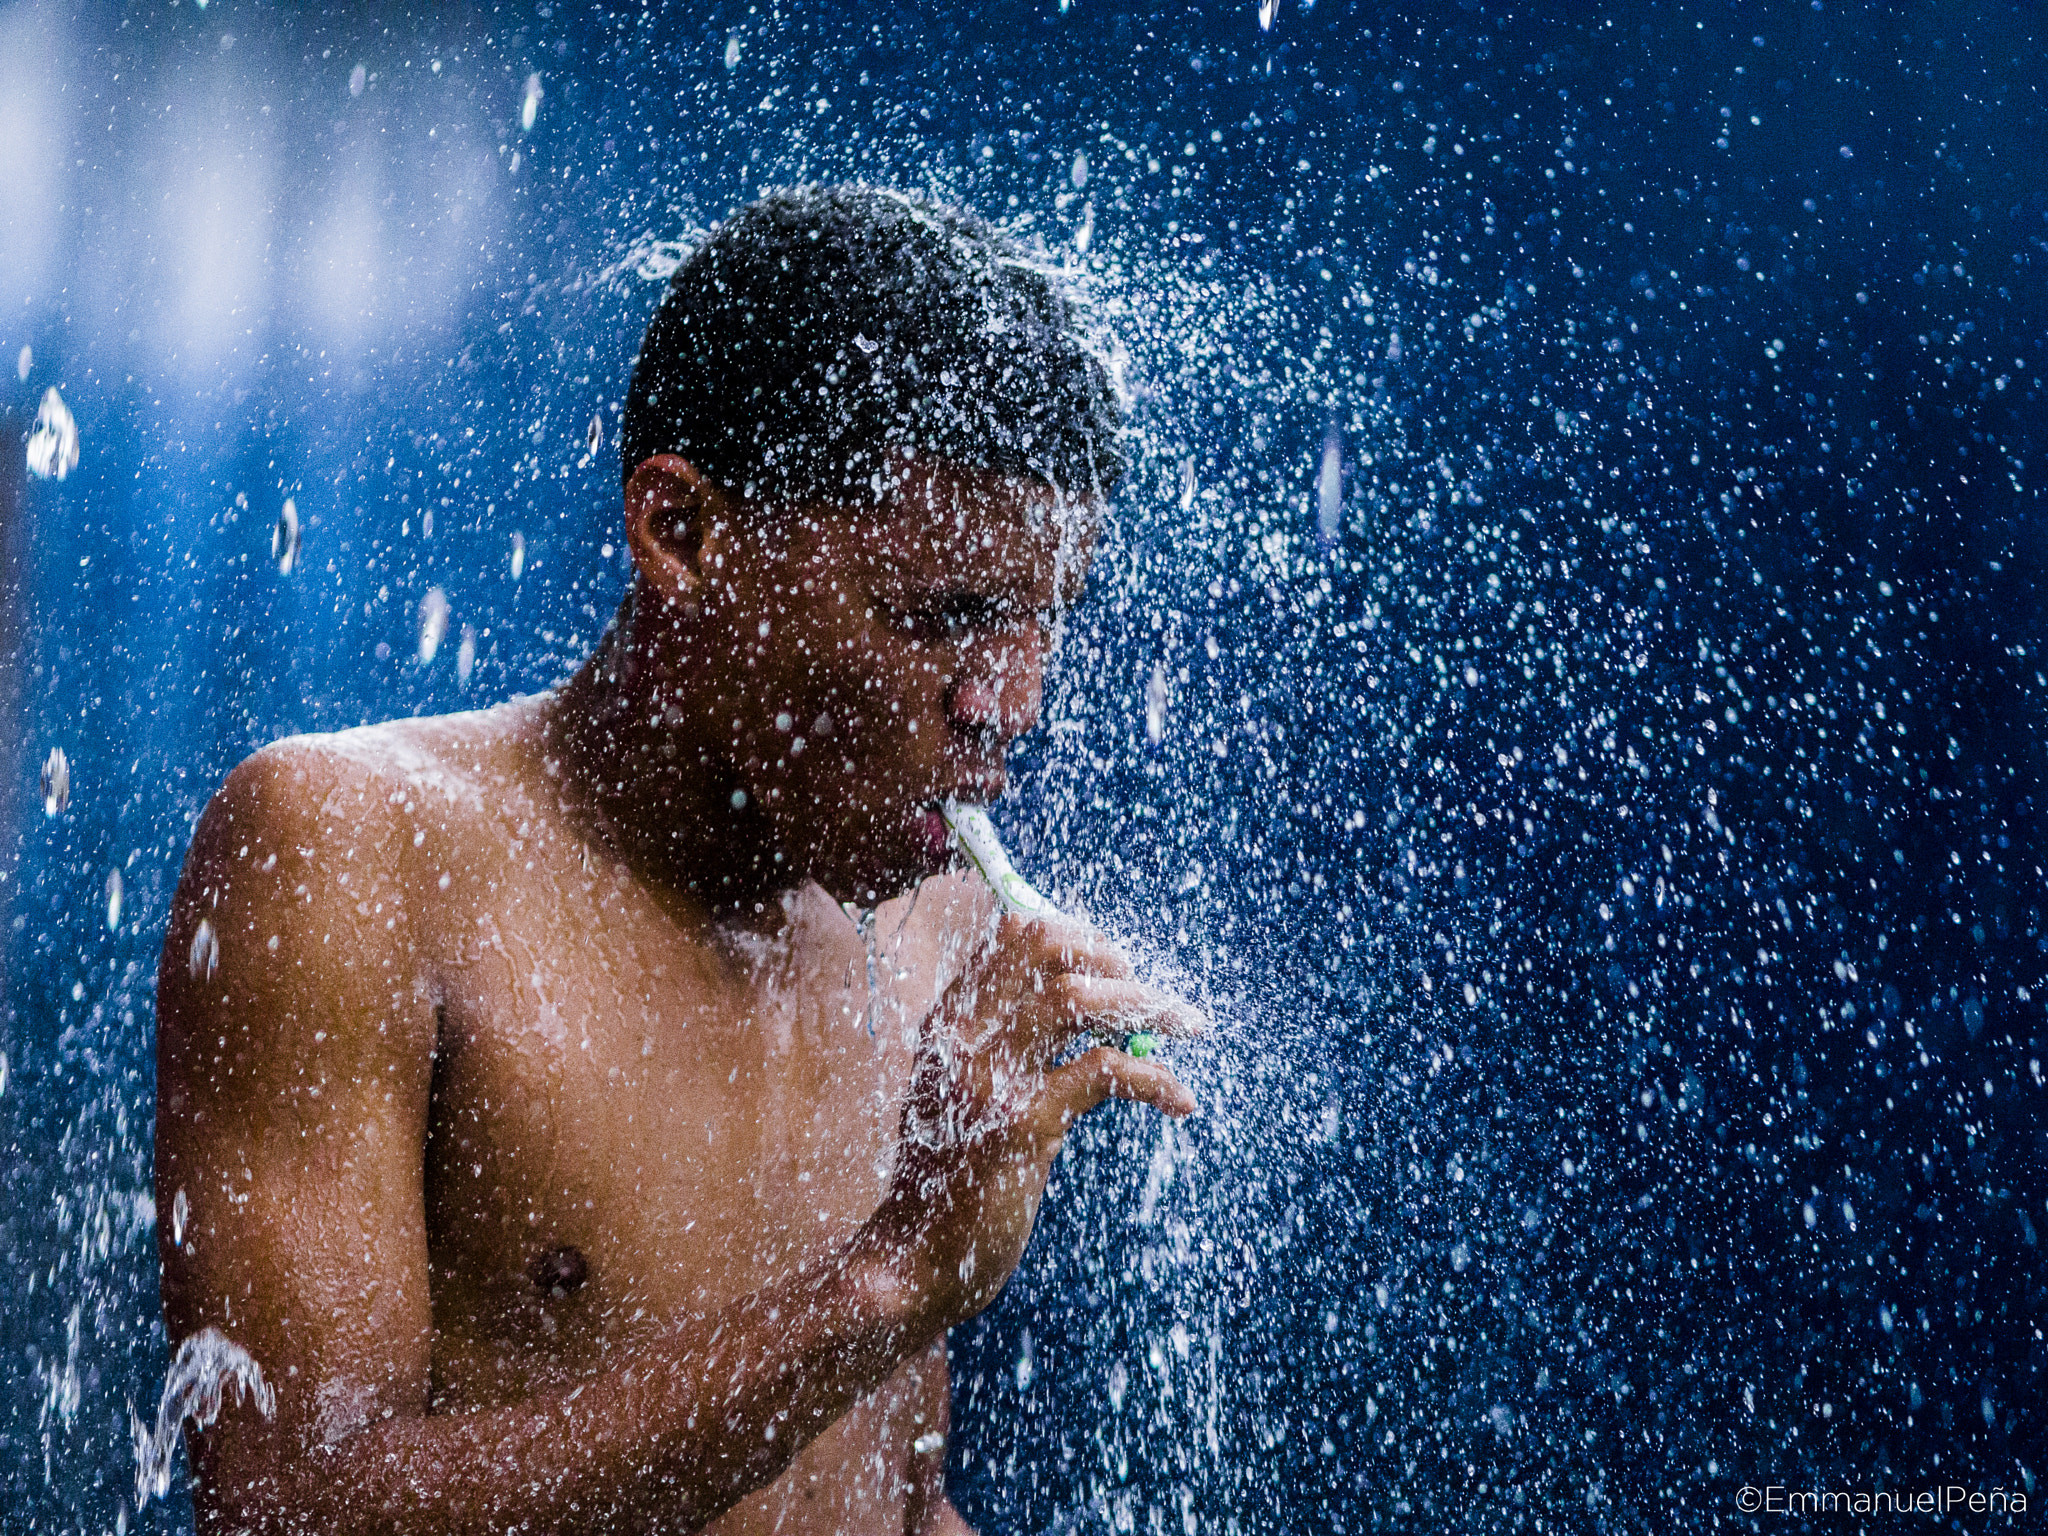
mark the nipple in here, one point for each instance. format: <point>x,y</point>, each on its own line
<point>559,1272</point>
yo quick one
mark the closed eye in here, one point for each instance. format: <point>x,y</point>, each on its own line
<point>954,617</point>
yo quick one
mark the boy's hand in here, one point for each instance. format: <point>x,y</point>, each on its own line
<point>989,1108</point>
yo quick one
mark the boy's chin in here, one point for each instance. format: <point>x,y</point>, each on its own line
<point>895,863</point>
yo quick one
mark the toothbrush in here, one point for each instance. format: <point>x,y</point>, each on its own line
<point>976,836</point>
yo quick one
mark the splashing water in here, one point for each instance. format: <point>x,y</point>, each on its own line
<point>1366,715</point>
<point>529,103</point>
<point>56,783</point>
<point>1079,174</point>
<point>433,623</point>
<point>53,445</point>
<point>113,899</point>
<point>203,959</point>
<point>204,1366</point>
<point>1330,487</point>
<point>284,538</point>
<point>864,924</point>
<point>465,656</point>
<point>23,363</point>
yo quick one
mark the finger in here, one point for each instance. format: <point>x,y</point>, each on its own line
<point>1059,944</point>
<point>1074,1089</point>
<point>1043,1024</point>
<point>1119,1007</point>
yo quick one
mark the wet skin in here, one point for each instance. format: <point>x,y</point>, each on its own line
<point>540,1133</point>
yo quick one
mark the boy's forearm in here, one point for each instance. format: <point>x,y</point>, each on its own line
<point>692,1423</point>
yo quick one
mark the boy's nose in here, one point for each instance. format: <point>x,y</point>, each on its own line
<point>999,686</point>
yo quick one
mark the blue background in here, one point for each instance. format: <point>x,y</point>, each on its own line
<point>1612,848</point>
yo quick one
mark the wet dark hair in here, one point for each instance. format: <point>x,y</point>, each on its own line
<point>824,332</point>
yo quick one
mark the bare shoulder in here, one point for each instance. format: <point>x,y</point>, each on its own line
<point>339,778</point>
<point>294,903</point>
<point>346,794</point>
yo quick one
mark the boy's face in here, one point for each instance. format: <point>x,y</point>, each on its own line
<point>876,660</point>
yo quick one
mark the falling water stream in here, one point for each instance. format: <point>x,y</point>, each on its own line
<point>1561,687</point>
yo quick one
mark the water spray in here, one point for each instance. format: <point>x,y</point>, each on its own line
<point>976,836</point>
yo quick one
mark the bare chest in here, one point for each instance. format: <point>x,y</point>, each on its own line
<point>632,1123</point>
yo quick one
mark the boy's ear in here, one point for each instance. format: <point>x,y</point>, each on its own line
<point>677,519</point>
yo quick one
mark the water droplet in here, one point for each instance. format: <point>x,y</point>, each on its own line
<point>56,782</point>
<point>595,436</point>
<point>3,1073</point>
<point>113,898</point>
<point>1393,346</point>
<point>1155,704</point>
<point>204,959</point>
<point>1330,486</point>
<point>1085,235</point>
<point>518,555</point>
<point>1079,174</point>
<point>732,51</point>
<point>284,538</point>
<point>181,1209</point>
<point>433,622</point>
<point>869,347</point>
<point>1266,10</point>
<point>1187,482</point>
<point>465,656</point>
<point>53,445</point>
<point>529,105</point>
<point>357,79</point>
<point>23,363</point>
<point>193,1389</point>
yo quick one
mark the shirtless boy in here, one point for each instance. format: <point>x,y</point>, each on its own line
<point>519,1072</point>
